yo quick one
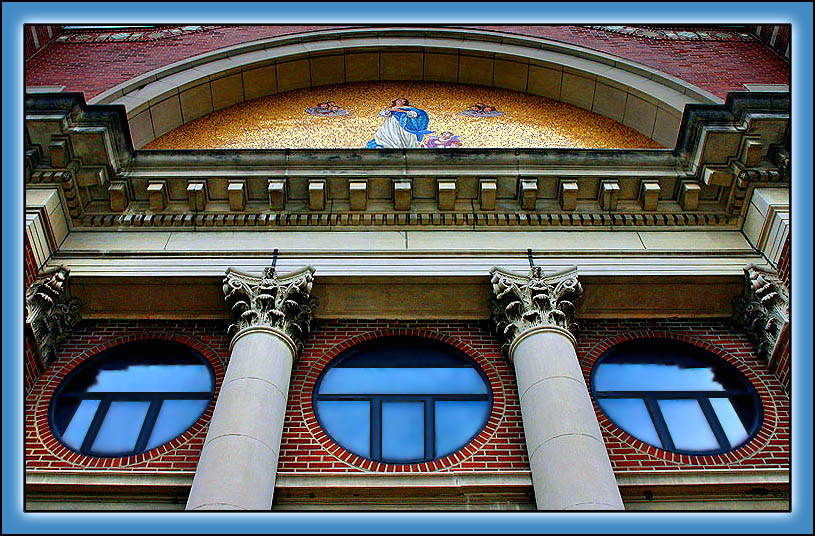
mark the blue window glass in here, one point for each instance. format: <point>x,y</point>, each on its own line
<point>131,398</point>
<point>730,421</point>
<point>403,431</point>
<point>174,415</point>
<point>632,416</point>
<point>676,396</point>
<point>349,423</point>
<point>120,428</point>
<point>457,422</point>
<point>687,424</point>
<point>402,400</point>
<point>79,424</point>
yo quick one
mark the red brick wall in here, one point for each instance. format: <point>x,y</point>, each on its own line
<point>30,267</point>
<point>716,66</point>
<point>305,448</point>
<point>768,449</point>
<point>781,364</point>
<point>777,37</point>
<point>32,366</point>
<point>31,45</point>
<point>784,266</point>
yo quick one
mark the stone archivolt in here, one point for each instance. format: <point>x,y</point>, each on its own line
<point>524,302</point>
<point>284,303</point>
<point>50,311</point>
<point>763,308</point>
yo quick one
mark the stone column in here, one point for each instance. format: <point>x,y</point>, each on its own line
<point>570,466</point>
<point>238,462</point>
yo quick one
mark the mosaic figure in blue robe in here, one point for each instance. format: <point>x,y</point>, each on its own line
<point>403,128</point>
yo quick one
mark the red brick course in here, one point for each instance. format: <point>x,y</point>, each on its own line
<point>500,447</point>
<point>781,365</point>
<point>32,366</point>
<point>716,66</point>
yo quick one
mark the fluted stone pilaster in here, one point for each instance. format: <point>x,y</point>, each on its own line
<point>534,315</point>
<point>763,308</point>
<point>272,316</point>
<point>51,313</point>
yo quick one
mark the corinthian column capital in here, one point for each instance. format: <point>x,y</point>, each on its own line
<point>763,308</point>
<point>51,313</point>
<point>523,302</point>
<point>283,303</point>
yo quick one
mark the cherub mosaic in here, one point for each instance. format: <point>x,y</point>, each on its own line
<point>327,109</point>
<point>480,109</point>
<point>446,139</point>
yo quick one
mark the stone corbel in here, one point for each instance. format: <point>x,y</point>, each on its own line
<point>523,302</point>
<point>284,303</point>
<point>762,309</point>
<point>50,311</point>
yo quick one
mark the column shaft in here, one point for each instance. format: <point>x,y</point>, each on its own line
<point>238,462</point>
<point>567,456</point>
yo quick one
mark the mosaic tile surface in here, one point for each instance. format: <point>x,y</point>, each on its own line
<point>348,116</point>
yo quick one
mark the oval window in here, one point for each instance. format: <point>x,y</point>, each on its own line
<point>131,398</point>
<point>402,400</point>
<point>676,396</point>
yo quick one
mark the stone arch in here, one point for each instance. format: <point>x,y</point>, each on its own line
<point>637,96</point>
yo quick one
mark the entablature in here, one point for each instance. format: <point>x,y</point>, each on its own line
<point>723,152</point>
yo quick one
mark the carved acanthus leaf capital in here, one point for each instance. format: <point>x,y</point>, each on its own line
<point>51,313</point>
<point>763,308</point>
<point>284,303</point>
<point>522,302</point>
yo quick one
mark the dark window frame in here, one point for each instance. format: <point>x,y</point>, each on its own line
<point>123,352</point>
<point>651,398</point>
<point>429,400</point>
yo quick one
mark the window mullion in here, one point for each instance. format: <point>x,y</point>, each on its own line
<point>96,423</point>
<point>376,428</point>
<point>713,421</point>
<point>149,423</point>
<point>429,429</point>
<point>659,422</point>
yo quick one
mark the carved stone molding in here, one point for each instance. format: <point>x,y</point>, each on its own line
<point>50,311</point>
<point>763,308</point>
<point>523,302</point>
<point>284,303</point>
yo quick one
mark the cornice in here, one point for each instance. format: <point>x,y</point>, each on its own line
<point>723,151</point>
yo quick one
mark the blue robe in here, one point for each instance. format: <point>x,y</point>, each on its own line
<point>414,125</point>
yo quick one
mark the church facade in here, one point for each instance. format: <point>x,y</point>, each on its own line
<point>422,327</point>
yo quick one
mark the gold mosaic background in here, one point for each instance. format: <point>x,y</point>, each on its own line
<point>280,121</point>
